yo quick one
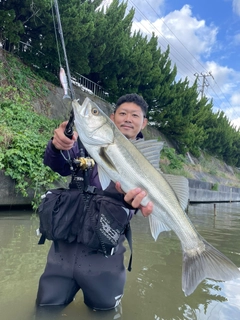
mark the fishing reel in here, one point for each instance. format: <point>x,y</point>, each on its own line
<point>84,163</point>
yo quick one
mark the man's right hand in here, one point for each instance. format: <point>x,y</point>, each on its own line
<point>60,141</point>
<point>134,197</point>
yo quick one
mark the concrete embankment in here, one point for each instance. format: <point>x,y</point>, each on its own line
<point>199,191</point>
<point>8,194</point>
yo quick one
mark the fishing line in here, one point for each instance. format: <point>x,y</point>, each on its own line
<point>64,50</point>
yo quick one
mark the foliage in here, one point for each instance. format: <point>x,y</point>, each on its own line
<point>11,29</point>
<point>175,161</point>
<point>23,138</point>
<point>215,187</point>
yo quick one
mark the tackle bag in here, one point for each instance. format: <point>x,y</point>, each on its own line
<point>57,213</point>
<point>95,218</point>
<point>105,220</point>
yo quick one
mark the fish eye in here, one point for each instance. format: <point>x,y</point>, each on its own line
<point>95,111</point>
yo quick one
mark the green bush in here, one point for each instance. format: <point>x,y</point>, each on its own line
<point>215,187</point>
<point>23,138</point>
<point>176,161</point>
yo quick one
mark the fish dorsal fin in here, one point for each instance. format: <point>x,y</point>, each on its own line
<point>150,149</point>
<point>180,186</point>
<point>156,226</point>
<point>103,178</point>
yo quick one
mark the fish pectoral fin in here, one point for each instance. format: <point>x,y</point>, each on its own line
<point>103,178</point>
<point>156,226</point>
<point>150,149</point>
<point>210,263</point>
<point>180,187</point>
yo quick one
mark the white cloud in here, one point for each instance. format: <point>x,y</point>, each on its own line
<point>236,7</point>
<point>235,100</point>
<point>236,39</point>
<point>225,79</point>
<point>234,112</point>
<point>153,8</point>
<point>104,4</point>
<point>189,39</point>
<point>194,34</point>
<point>224,90</point>
<point>235,123</point>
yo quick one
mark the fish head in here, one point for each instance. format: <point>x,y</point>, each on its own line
<point>94,127</point>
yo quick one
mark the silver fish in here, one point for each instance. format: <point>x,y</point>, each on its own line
<point>64,83</point>
<point>120,159</point>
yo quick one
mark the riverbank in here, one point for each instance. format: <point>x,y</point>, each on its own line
<point>199,192</point>
<point>202,192</point>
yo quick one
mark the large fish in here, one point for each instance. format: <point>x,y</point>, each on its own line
<point>135,164</point>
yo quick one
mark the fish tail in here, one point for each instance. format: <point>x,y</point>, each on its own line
<point>210,263</point>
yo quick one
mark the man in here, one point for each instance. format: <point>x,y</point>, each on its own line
<point>74,266</point>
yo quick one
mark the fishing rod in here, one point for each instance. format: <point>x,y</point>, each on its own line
<point>65,80</point>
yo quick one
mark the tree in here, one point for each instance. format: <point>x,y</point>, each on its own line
<point>219,132</point>
<point>110,45</point>
<point>235,155</point>
<point>43,47</point>
<point>10,29</point>
<point>175,118</point>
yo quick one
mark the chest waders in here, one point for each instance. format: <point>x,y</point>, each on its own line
<point>75,266</point>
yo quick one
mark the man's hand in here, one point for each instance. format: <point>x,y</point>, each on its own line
<point>60,141</point>
<point>134,197</point>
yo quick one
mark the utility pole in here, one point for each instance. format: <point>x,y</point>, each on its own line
<point>204,83</point>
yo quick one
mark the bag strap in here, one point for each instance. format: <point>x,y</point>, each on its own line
<point>128,235</point>
<point>114,195</point>
<point>128,230</point>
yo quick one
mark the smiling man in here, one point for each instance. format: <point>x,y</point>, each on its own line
<point>76,265</point>
<point>130,115</point>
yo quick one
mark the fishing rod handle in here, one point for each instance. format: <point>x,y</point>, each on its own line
<point>68,133</point>
<point>69,127</point>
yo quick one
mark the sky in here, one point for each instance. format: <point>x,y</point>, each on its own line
<point>204,40</point>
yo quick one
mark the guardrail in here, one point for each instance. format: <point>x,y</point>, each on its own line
<point>77,79</point>
<point>89,86</point>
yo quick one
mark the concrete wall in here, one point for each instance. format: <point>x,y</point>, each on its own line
<point>60,109</point>
<point>200,191</point>
<point>8,195</point>
<point>201,195</point>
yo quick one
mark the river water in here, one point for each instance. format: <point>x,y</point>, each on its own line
<point>153,289</point>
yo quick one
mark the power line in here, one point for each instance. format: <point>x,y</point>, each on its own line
<point>204,83</point>
<point>179,54</point>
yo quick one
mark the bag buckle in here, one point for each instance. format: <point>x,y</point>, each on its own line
<point>90,189</point>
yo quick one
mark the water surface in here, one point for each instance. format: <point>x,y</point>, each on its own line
<point>153,290</point>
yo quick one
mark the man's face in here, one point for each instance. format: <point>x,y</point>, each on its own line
<point>129,119</point>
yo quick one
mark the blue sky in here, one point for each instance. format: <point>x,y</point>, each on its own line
<point>204,40</point>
